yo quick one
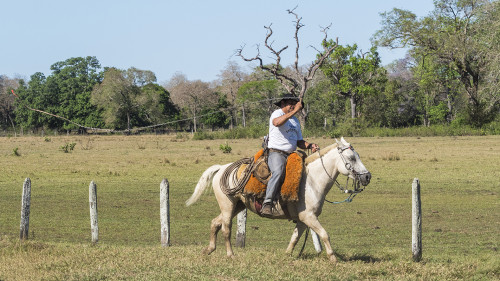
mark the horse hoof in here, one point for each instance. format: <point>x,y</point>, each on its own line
<point>207,251</point>
<point>333,259</point>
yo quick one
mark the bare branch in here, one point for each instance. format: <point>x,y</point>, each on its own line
<point>300,82</point>
<point>298,26</point>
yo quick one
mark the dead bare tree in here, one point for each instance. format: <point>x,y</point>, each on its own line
<point>230,80</point>
<point>190,96</point>
<point>294,84</point>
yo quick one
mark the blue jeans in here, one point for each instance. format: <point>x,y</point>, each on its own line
<point>277,164</point>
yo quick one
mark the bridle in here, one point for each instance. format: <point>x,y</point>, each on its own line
<point>356,184</point>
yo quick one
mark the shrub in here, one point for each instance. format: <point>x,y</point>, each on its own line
<point>203,136</point>
<point>68,147</point>
<point>225,148</point>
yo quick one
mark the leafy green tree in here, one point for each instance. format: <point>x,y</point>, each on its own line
<point>218,115</point>
<point>7,101</point>
<point>452,34</point>
<point>130,98</point>
<point>34,94</point>
<point>437,82</point>
<point>321,104</point>
<point>489,25</point>
<point>257,99</point>
<point>156,105</point>
<point>116,97</point>
<point>71,83</point>
<point>139,77</point>
<point>353,74</point>
<point>66,93</point>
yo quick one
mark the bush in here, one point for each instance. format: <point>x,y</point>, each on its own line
<point>68,147</point>
<point>203,136</point>
<point>225,148</point>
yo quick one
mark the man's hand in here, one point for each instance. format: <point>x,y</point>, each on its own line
<point>289,110</point>
<point>298,106</point>
<point>307,145</point>
<point>314,147</point>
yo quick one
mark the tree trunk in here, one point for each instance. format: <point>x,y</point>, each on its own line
<point>128,122</point>
<point>305,113</point>
<point>194,122</point>
<point>243,116</point>
<point>449,98</point>
<point>353,106</point>
<point>13,127</point>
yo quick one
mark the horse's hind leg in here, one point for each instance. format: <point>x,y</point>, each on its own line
<point>297,232</point>
<point>223,222</point>
<point>313,223</point>
<point>214,229</point>
<point>227,223</point>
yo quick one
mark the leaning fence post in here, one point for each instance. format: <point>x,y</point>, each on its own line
<point>94,229</point>
<point>241,231</point>
<point>316,241</point>
<point>416,233</point>
<point>165,213</point>
<point>25,209</point>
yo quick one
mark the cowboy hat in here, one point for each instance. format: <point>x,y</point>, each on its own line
<point>287,97</point>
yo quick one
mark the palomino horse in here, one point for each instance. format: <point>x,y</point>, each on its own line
<point>320,173</point>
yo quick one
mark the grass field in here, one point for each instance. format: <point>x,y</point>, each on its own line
<point>371,236</point>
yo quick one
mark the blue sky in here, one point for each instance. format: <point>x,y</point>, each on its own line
<point>197,38</point>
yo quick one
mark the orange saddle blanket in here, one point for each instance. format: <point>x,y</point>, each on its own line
<point>291,183</point>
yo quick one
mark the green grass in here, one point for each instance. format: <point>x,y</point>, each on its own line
<point>371,236</point>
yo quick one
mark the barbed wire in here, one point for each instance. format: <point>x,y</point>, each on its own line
<point>138,129</point>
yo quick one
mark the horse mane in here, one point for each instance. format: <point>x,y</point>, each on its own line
<point>322,152</point>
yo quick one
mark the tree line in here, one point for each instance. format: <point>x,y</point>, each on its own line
<point>450,75</point>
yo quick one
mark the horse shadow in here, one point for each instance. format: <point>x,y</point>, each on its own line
<point>358,257</point>
<point>343,257</point>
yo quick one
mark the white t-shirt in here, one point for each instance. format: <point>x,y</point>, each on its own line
<point>286,136</point>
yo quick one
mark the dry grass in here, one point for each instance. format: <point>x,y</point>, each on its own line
<point>371,236</point>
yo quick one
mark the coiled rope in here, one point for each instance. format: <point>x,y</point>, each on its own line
<point>238,185</point>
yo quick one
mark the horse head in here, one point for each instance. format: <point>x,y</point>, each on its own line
<point>351,163</point>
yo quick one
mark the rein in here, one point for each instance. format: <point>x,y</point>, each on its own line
<point>356,184</point>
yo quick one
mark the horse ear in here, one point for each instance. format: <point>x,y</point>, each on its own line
<point>338,143</point>
<point>344,142</point>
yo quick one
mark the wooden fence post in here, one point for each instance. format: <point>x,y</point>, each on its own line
<point>165,213</point>
<point>94,229</point>
<point>25,209</point>
<point>416,233</point>
<point>316,241</point>
<point>241,231</point>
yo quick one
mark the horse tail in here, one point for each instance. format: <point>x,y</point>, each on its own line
<point>203,183</point>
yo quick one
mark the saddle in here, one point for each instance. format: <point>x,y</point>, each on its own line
<point>257,183</point>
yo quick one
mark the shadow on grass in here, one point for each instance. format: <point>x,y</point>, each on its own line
<point>363,258</point>
<point>342,257</point>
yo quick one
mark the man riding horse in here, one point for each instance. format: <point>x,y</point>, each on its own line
<point>285,136</point>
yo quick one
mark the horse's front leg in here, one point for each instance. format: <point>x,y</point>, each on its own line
<point>297,232</point>
<point>313,223</point>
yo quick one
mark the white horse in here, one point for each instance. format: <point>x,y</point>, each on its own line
<point>320,173</point>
